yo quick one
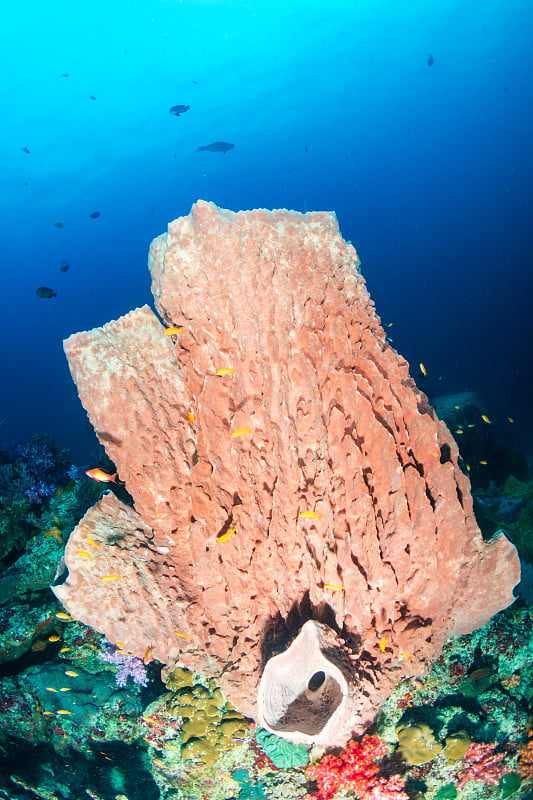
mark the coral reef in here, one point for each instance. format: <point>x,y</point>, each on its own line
<point>283,466</point>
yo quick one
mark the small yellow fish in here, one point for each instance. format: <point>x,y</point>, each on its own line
<point>48,713</point>
<point>483,462</point>
<point>510,419</point>
<point>459,430</point>
<point>457,407</point>
<point>471,425</point>
<point>172,746</point>
<point>225,536</point>
<point>65,689</point>
<point>191,417</point>
<point>50,689</point>
<point>172,331</point>
<point>405,655</point>
<point>309,515</point>
<point>159,763</point>
<point>62,711</point>
<point>62,615</point>
<point>225,371</point>
<point>91,541</point>
<point>240,431</point>
<point>383,644</point>
<point>71,673</point>
<point>149,719</point>
<point>423,370</point>
<point>228,778</point>
<point>110,577</point>
<point>54,638</point>
<point>183,635</point>
<point>486,419</point>
<point>333,586</point>
<point>84,554</point>
<point>65,649</point>
<point>467,467</point>
<point>390,324</point>
<point>119,644</point>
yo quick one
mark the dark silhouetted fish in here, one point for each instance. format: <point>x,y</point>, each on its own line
<point>64,74</point>
<point>25,149</point>
<point>94,215</point>
<point>92,97</point>
<point>44,291</point>
<point>217,147</point>
<point>58,224</point>
<point>177,110</point>
<point>64,267</point>
<point>431,60</point>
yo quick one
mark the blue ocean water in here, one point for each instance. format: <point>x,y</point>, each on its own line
<point>331,106</point>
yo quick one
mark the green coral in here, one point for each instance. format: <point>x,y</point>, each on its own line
<point>281,752</point>
<point>210,725</point>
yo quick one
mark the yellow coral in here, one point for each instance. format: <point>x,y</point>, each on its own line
<point>417,745</point>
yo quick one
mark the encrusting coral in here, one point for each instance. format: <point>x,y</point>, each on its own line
<point>283,465</point>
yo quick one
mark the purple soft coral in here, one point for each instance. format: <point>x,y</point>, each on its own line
<point>128,666</point>
<point>40,491</point>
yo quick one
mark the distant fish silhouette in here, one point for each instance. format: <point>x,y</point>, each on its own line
<point>44,291</point>
<point>64,267</point>
<point>92,97</point>
<point>25,149</point>
<point>58,225</point>
<point>94,215</point>
<point>217,147</point>
<point>431,60</point>
<point>64,74</point>
<point>177,110</point>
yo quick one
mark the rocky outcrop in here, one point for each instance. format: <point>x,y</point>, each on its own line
<point>284,467</point>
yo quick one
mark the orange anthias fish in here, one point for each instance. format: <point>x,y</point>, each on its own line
<point>99,475</point>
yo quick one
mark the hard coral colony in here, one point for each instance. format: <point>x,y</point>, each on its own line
<point>341,476</point>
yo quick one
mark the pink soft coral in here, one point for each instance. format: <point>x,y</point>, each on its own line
<point>355,769</point>
<point>482,764</point>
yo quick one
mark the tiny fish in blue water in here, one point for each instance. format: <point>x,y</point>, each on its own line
<point>92,97</point>
<point>177,110</point>
<point>64,267</point>
<point>217,147</point>
<point>44,291</point>
<point>431,60</point>
<point>25,150</point>
<point>94,215</point>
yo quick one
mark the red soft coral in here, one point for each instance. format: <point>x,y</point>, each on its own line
<point>355,769</point>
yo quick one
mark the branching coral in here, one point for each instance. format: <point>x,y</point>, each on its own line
<point>482,764</point>
<point>356,769</point>
<point>525,762</point>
